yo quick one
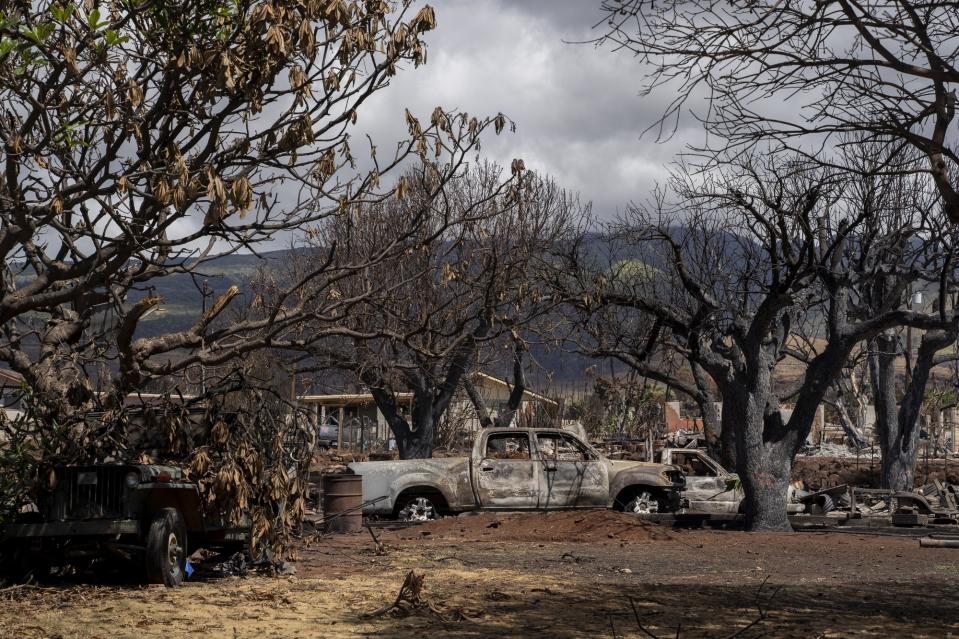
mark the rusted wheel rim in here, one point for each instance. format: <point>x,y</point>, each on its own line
<point>642,504</point>
<point>419,509</point>
<point>173,553</point>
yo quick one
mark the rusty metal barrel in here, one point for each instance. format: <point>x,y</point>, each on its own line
<point>342,498</point>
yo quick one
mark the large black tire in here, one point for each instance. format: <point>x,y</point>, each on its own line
<point>166,550</point>
<point>19,565</point>
<point>10,564</point>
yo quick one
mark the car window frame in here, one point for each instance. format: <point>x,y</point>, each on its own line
<point>584,450</point>
<point>493,436</point>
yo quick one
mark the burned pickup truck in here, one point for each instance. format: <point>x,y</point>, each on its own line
<point>147,514</point>
<point>518,469</point>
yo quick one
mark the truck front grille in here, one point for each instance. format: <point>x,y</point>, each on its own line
<point>89,493</point>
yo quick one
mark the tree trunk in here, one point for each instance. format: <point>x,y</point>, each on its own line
<point>412,441</point>
<point>899,430</point>
<point>882,375</point>
<point>712,426</point>
<point>417,441</point>
<point>765,484</point>
<point>764,461</point>
<point>898,468</point>
<point>727,439</point>
<point>415,445</point>
<point>482,411</point>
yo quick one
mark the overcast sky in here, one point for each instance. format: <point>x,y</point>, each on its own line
<point>579,116</point>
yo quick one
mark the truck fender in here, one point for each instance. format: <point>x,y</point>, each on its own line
<point>628,479</point>
<point>417,481</point>
<point>186,499</point>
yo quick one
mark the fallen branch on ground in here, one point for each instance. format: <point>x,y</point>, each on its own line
<point>762,615</point>
<point>410,600</point>
<point>379,549</point>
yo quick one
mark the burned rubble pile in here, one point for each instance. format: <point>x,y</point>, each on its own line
<point>933,503</point>
<point>817,473</point>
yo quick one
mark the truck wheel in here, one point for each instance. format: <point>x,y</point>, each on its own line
<point>11,565</point>
<point>166,549</point>
<point>20,565</point>
<point>822,505</point>
<point>418,508</point>
<point>643,502</point>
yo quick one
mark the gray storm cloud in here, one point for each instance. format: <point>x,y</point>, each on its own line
<point>577,107</point>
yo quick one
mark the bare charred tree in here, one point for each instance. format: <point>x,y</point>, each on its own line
<point>902,245</point>
<point>761,245</point>
<point>146,140</point>
<point>636,340</point>
<point>850,403</point>
<point>897,415</point>
<point>721,290</point>
<point>909,249</point>
<point>462,281</point>
<point>504,416</point>
<point>886,69</point>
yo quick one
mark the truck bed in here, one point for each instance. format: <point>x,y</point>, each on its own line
<point>450,475</point>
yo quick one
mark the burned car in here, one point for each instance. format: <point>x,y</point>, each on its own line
<point>147,514</point>
<point>517,469</point>
<point>710,488</point>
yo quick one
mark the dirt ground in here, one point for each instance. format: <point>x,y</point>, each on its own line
<point>573,574</point>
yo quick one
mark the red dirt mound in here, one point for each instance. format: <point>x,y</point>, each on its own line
<point>566,526</point>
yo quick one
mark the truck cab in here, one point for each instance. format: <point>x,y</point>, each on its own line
<point>541,470</point>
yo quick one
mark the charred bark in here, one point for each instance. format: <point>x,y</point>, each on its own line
<point>504,417</point>
<point>482,410</point>
<point>765,446</point>
<point>727,439</point>
<point>418,442</point>
<point>415,438</point>
<point>898,428</point>
<point>712,425</point>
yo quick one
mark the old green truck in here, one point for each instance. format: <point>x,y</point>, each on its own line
<point>147,514</point>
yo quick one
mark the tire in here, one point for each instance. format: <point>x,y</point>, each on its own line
<point>20,565</point>
<point>643,502</point>
<point>166,549</point>
<point>824,504</point>
<point>418,508</point>
<point>10,566</point>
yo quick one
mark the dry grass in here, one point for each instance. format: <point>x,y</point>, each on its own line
<point>826,584</point>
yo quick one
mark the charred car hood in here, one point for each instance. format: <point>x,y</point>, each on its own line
<point>625,464</point>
